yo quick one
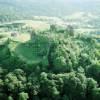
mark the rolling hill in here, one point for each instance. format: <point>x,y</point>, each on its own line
<point>29,8</point>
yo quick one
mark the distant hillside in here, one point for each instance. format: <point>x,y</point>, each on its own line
<point>47,7</point>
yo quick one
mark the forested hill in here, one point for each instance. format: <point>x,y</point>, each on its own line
<point>55,64</point>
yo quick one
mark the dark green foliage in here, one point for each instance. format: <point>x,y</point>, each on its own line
<point>94,71</point>
<point>65,56</point>
<point>17,85</point>
<point>66,67</point>
<point>23,96</point>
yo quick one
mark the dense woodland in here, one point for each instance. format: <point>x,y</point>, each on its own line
<point>58,63</point>
<point>67,67</point>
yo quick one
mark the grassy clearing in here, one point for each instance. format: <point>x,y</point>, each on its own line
<point>21,38</point>
<point>36,25</point>
<point>32,52</point>
<point>26,53</point>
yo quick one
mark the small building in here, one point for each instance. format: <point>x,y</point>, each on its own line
<point>14,34</point>
<point>70,30</point>
<point>33,35</point>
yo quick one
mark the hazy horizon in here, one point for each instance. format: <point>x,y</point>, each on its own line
<point>50,7</point>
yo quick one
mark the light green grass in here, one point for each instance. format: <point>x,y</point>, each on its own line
<point>31,52</point>
<point>27,53</point>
